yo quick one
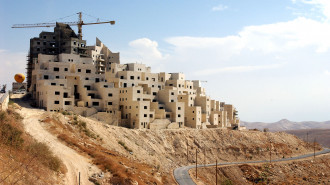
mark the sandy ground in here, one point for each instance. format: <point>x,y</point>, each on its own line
<point>73,161</point>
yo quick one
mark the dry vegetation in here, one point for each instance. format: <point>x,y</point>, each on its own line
<point>23,160</point>
<point>122,170</point>
<point>306,171</point>
<point>128,156</point>
<point>149,156</point>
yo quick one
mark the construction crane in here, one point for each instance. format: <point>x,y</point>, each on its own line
<point>80,23</point>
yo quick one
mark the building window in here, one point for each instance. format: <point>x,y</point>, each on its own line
<point>172,100</point>
<point>67,103</point>
<point>65,69</point>
<point>56,102</point>
<point>138,99</point>
<point>38,43</point>
<point>179,108</point>
<point>147,78</point>
<point>121,77</point>
<point>86,78</point>
<point>57,92</point>
<point>74,43</point>
<point>57,77</point>
<point>179,115</point>
<point>132,77</point>
<point>65,95</point>
<point>79,70</point>
<point>88,71</point>
<point>151,115</point>
<point>109,103</point>
<point>154,93</point>
<point>138,78</point>
<point>105,86</point>
<point>193,111</point>
<point>53,84</point>
<point>138,91</point>
<point>95,103</point>
<point>172,93</point>
<point>193,118</point>
<point>145,107</point>
<point>110,94</point>
<point>145,115</point>
<point>45,76</point>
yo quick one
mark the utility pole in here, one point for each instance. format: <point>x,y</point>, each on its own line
<point>270,151</point>
<point>79,178</point>
<point>204,156</point>
<point>187,153</point>
<point>314,147</point>
<point>196,163</point>
<point>216,172</point>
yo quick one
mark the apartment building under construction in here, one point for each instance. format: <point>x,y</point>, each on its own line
<point>66,74</point>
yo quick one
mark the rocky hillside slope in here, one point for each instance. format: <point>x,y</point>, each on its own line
<point>160,151</point>
<point>308,171</point>
<point>128,156</point>
<point>321,136</point>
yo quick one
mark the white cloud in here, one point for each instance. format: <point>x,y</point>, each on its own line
<point>236,69</point>
<point>270,38</point>
<point>220,7</point>
<point>323,5</point>
<point>146,48</point>
<point>144,51</point>
<point>327,72</point>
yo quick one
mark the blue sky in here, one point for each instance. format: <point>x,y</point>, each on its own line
<point>268,58</point>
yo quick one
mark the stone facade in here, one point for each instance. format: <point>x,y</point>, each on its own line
<point>90,80</point>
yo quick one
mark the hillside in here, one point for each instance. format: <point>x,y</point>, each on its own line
<point>285,124</point>
<point>321,136</point>
<point>23,160</point>
<point>308,171</point>
<point>130,156</point>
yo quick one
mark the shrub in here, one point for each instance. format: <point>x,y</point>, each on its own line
<point>3,116</point>
<point>42,152</point>
<point>11,136</point>
<point>123,145</point>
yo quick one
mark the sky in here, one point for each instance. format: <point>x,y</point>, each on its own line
<point>270,59</point>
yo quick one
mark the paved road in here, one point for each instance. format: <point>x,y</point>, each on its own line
<point>182,176</point>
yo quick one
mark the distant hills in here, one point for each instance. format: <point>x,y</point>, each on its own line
<point>285,124</point>
<point>318,130</point>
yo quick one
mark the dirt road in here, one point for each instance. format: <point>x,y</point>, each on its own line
<point>73,161</point>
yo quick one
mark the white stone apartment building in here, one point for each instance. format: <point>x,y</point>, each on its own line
<point>89,80</point>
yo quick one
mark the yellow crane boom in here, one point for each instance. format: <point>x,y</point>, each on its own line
<point>80,23</point>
